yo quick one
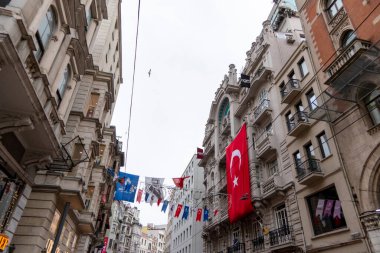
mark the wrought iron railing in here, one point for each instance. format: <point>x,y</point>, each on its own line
<point>237,247</point>
<point>296,119</point>
<point>258,243</point>
<point>280,235</point>
<point>308,167</point>
<point>261,108</point>
<point>289,86</point>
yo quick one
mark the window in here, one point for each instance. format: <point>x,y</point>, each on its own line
<point>45,31</point>
<point>272,167</point>
<point>289,121</point>
<point>312,100</point>
<point>224,111</point>
<point>63,84</point>
<point>299,107</point>
<point>92,105</point>
<point>78,151</point>
<point>309,151</point>
<point>88,16</point>
<point>333,6</point>
<point>372,103</point>
<point>281,217</point>
<point>292,75</point>
<point>297,158</point>
<point>347,38</point>
<point>326,211</point>
<point>323,145</point>
<point>303,67</point>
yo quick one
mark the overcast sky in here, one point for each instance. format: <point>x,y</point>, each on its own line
<point>188,45</point>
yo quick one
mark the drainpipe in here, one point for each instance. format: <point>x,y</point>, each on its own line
<point>60,226</point>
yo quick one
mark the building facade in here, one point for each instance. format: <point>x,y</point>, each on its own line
<point>186,234</point>
<point>58,94</point>
<point>344,44</point>
<point>301,202</point>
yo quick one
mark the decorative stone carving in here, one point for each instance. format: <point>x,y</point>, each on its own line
<point>37,160</point>
<point>337,19</point>
<point>11,122</point>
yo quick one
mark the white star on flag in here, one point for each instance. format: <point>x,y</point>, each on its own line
<point>236,181</point>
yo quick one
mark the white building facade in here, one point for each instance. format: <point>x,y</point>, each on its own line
<point>186,234</point>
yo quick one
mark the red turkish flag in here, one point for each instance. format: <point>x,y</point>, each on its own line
<point>178,210</point>
<point>178,181</point>
<point>199,215</point>
<point>237,174</point>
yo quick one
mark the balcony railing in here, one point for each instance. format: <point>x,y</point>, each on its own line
<point>298,123</point>
<point>237,247</point>
<point>281,236</point>
<point>291,89</point>
<point>308,169</point>
<point>258,243</point>
<point>352,51</point>
<point>261,109</point>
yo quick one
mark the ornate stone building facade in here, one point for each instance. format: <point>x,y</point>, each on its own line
<point>60,68</point>
<point>300,190</point>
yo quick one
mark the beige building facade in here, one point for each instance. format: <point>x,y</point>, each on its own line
<point>58,91</point>
<point>300,188</point>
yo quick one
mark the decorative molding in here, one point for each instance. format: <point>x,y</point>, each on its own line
<point>11,122</point>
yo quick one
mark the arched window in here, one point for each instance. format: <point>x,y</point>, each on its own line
<point>45,31</point>
<point>63,84</point>
<point>224,111</point>
<point>372,103</point>
<point>347,38</point>
<point>333,6</point>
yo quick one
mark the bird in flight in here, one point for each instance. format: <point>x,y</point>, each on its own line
<point>150,71</point>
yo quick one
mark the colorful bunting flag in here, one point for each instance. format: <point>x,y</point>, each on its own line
<point>158,202</point>
<point>127,190</point>
<point>199,215</point>
<point>215,212</point>
<point>178,211</point>
<point>154,186</point>
<point>139,195</point>
<point>179,181</point>
<point>205,215</point>
<point>185,213</point>
<point>164,206</point>
<point>146,197</point>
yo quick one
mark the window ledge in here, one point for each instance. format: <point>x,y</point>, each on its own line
<point>374,129</point>
<point>337,231</point>
<point>327,157</point>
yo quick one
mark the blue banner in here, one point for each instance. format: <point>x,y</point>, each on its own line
<point>164,206</point>
<point>185,213</point>
<point>126,187</point>
<point>205,215</point>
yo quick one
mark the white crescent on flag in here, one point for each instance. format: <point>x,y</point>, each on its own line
<point>237,153</point>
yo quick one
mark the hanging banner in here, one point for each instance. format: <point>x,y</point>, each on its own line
<point>154,186</point>
<point>199,215</point>
<point>104,250</point>
<point>126,187</point>
<point>185,213</point>
<point>164,206</point>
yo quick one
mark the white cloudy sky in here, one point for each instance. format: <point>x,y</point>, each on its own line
<point>188,45</point>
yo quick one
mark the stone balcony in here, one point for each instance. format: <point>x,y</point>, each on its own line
<point>272,186</point>
<point>309,172</point>
<point>348,55</point>
<point>262,112</point>
<point>265,145</point>
<point>86,223</point>
<point>298,124</point>
<point>290,90</point>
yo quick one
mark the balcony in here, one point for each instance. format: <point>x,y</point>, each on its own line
<point>264,145</point>
<point>209,148</point>
<point>298,124</point>
<point>309,172</point>
<point>272,186</point>
<point>86,223</point>
<point>348,55</point>
<point>281,237</point>
<point>291,89</point>
<point>262,111</point>
<point>258,243</point>
<point>237,247</point>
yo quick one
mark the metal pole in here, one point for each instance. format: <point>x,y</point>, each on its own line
<point>60,226</point>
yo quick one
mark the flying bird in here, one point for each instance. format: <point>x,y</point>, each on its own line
<point>150,71</point>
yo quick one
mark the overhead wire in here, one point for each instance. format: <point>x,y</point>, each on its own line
<point>133,82</point>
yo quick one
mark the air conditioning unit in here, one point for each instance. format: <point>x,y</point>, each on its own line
<point>289,38</point>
